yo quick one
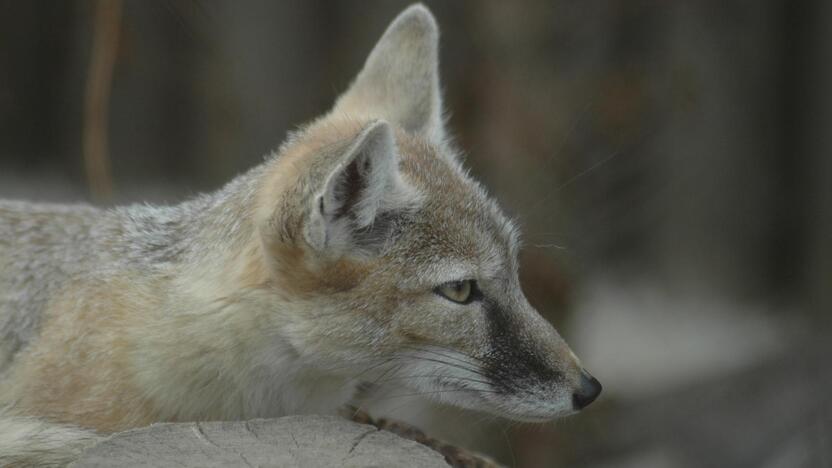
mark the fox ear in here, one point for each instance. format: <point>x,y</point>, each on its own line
<point>400,79</point>
<point>363,185</point>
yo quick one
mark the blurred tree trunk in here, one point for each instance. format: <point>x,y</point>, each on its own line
<point>819,175</point>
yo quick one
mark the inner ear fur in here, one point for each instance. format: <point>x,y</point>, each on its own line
<point>400,79</point>
<point>341,189</point>
<point>352,192</point>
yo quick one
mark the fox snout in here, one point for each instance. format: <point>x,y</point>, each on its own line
<point>533,370</point>
<point>587,392</point>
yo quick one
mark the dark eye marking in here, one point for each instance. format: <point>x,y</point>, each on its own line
<point>513,358</point>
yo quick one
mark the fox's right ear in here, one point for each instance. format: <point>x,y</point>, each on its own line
<point>335,189</point>
<point>400,79</point>
<point>343,190</point>
<point>363,183</point>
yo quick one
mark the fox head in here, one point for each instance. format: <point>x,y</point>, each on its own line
<point>399,265</point>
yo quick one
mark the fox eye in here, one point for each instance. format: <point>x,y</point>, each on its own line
<point>462,292</point>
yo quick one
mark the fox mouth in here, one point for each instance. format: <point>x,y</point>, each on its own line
<point>540,402</point>
<point>451,377</point>
<point>512,406</point>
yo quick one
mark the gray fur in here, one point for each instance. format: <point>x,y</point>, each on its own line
<point>400,79</point>
<point>42,246</point>
<point>28,441</point>
<point>282,291</point>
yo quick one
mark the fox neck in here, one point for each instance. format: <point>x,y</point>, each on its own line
<point>221,338</point>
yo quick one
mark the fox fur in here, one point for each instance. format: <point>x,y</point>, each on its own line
<point>282,292</point>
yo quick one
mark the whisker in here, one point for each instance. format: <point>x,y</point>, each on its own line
<point>431,349</point>
<point>508,442</point>
<point>376,361</point>
<point>434,376</point>
<point>449,364</point>
<point>496,373</point>
<point>387,372</point>
<point>571,131</point>
<point>549,246</point>
<point>572,179</point>
<point>436,392</point>
<point>586,171</point>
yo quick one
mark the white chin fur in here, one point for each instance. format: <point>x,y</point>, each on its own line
<point>455,379</point>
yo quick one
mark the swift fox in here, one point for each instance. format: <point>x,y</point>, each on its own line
<point>361,248</point>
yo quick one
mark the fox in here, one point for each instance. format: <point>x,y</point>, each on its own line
<point>360,248</point>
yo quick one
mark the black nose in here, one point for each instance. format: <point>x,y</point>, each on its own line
<point>588,392</point>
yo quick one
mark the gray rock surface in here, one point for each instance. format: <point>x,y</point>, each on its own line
<point>293,441</point>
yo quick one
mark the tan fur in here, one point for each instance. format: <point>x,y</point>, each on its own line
<point>313,273</point>
<point>81,373</point>
<point>278,186</point>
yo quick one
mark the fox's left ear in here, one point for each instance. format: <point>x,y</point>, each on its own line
<point>400,80</point>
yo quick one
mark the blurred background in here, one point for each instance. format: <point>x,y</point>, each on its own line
<point>670,163</point>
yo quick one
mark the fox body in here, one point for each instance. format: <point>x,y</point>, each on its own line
<point>361,249</point>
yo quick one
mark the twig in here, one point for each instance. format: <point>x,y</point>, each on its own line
<point>457,457</point>
<point>106,28</point>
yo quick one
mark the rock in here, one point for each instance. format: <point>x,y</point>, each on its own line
<point>293,441</point>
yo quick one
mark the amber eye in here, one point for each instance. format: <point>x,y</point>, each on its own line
<point>462,292</point>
